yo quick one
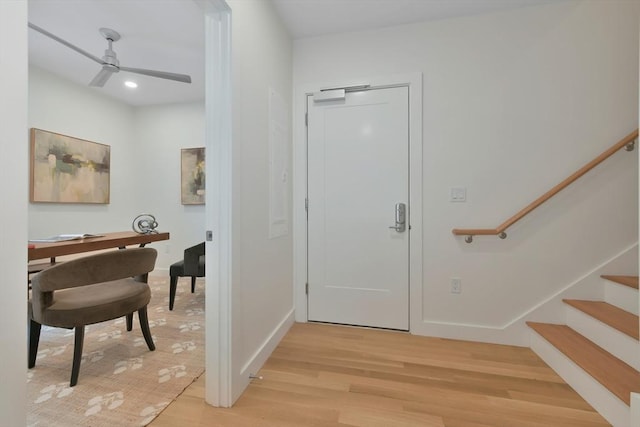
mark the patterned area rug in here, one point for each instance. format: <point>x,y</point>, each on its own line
<point>121,382</point>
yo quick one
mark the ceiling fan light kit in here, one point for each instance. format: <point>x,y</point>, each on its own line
<point>109,61</point>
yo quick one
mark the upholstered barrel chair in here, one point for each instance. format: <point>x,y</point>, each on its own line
<point>90,290</point>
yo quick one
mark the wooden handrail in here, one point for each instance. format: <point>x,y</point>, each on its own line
<point>500,230</point>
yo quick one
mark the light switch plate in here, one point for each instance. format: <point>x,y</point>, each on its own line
<point>458,194</point>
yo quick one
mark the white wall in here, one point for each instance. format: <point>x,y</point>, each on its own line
<point>13,220</point>
<point>145,162</point>
<point>161,132</point>
<point>513,102</point>
<point>262,295</point>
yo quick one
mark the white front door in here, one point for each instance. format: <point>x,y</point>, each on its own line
<point>358,177</point>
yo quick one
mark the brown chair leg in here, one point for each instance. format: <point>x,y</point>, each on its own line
<point>193,284</point>
<point>77,354</point>
<point>173,284</point>
<point>34,339</point>
<point>144,324</point>
<point>129,322</point>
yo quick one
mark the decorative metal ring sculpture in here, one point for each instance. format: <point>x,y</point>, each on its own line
<point>145,224</point>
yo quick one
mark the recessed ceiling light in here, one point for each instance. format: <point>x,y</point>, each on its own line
<point>131,84</point>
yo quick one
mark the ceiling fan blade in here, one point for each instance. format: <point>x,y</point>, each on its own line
<point>101,78</point>
<point>66,43</point>
<point>161,74</point>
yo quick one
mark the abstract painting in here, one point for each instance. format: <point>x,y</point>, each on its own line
<point>192,176</point>
<point>65,169</point>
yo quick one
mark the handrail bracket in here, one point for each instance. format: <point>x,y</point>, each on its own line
<point>631,145</point>
<point>469,238</point>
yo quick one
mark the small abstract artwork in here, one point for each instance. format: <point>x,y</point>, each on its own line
<point>65,169</point>
<point>192,176</point>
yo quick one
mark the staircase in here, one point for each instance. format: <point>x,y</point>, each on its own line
<point>598,351</point>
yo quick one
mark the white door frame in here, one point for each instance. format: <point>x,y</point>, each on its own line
<point>218,384</point>
<point>414,82</point>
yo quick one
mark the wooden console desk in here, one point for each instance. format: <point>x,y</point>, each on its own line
<point>120,239</point>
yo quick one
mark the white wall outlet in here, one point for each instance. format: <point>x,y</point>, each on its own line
<point>456,285</point>
<point>458,194</point>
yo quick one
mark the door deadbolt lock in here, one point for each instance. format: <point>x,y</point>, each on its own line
<point>401,218</point>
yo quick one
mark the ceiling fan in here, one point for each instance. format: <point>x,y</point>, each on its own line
<point>109,61</point>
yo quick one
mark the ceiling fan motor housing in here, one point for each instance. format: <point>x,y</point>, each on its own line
<point>110,59</point>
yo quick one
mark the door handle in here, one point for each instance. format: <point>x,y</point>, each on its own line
<point>401,218</point>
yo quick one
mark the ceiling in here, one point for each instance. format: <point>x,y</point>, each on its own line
<point>308,18</point>
<point>168,35</point>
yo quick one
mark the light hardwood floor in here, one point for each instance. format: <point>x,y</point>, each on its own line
<point>326,375</point>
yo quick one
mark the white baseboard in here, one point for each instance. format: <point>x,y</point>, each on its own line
<point>516,332</point>
<point>260,356</point>
<point>551,310</point>
<point>515,335</point>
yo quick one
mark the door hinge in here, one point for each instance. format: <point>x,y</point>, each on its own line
<point>306,288</point>
<point>306,119</point>
<point>306,205</point>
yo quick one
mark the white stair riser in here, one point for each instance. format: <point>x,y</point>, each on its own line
<point>621,296</point>
<point>606,403</point>
<point>615,342</point>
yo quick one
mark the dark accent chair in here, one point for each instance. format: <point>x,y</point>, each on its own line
<point>90,290</point>
<point>191,266</point>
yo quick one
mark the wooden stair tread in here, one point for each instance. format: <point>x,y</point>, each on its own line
<point>631,281</point>
<point>615,375</point>
<point>617,318</point>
